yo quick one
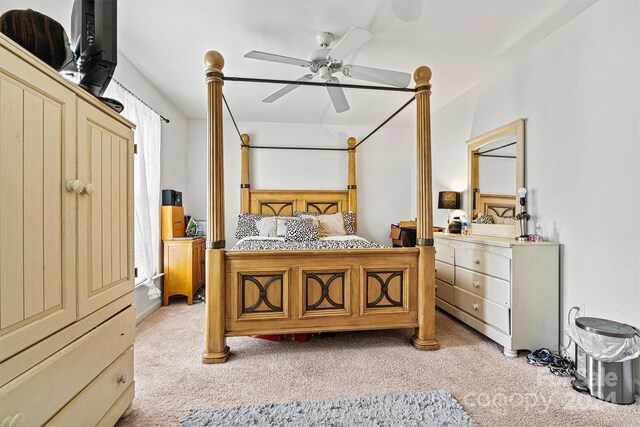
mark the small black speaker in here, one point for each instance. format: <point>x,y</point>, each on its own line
<point>171,198</point>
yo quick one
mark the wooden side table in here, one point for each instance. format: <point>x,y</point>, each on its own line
<point>184,268</point>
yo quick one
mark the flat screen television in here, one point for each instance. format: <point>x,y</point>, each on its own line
<point>94,43</point>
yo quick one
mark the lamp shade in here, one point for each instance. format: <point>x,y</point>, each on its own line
<point>449,200</point>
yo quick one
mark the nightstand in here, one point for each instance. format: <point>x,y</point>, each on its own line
<point>184,267</point>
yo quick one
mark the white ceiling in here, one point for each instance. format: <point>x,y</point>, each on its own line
<point>460,40</point>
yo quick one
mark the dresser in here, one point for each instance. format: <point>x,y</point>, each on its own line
<point>505,289</point>
<point>184,268</point>
<point>66,253</point>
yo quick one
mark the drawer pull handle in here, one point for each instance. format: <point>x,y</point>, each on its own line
<point>475,306</point>
<point>476,260</point>
<point>436,287</point>
<point>476,284</point>
<point>122,378</point>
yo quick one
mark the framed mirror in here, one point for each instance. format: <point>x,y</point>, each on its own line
<point>496,171</point>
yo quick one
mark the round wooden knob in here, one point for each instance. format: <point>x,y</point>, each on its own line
<point>476,260</point>
<point>75,185</point>
<point>88,189</point>
<point>476,284</point>
<point>123,378</point>
<point>475,306</point>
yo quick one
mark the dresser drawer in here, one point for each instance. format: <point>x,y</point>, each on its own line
<point>485,310</point>
<point>47,387</point>
<point>445,253</point>
<point>485,262</point>
<point>444,272</point>
<point>88,407</point>
<point>491,288</point>
<point>444,291</point>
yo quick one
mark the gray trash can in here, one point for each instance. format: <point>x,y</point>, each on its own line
<point>612,381</point>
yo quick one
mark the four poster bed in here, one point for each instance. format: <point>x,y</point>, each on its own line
<point>269,291</point>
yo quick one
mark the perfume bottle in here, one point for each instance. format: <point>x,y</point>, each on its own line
<point>538,232</point>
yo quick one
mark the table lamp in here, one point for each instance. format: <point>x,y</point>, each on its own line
<point>449,200</point>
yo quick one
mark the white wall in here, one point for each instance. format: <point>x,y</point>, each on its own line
<point>385,169</point>
<point>579,91</point>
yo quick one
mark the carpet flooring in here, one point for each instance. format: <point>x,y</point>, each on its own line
<point>493,389</point>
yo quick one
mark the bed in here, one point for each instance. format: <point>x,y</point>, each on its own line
<point>265,287</point>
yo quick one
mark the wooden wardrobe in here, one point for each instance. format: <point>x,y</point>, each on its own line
<point>66,250</point>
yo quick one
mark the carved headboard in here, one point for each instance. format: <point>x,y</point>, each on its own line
<point>285,202</point>
<point>498,205</point>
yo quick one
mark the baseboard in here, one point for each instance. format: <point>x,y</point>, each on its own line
<point>141,316</point>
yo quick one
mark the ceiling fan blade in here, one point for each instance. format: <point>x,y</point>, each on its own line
<point>337,96</point>
<point>255,54</point>
<point>355,38</point>
<point>377,75</point>
<point>288,88</point>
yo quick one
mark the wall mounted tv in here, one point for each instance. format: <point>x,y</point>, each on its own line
<point>94,42</point>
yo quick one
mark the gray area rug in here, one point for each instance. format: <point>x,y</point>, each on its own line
<point>433,408</point>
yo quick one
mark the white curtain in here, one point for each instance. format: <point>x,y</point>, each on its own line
<point>146,169</point>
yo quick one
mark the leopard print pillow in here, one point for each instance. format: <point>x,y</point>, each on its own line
<point>349,222</point>
<point>301,230</point>
<point>247,225</point>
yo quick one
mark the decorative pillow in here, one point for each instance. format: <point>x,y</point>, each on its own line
<point>281,227</point>
<point>349,222</point>
<point>301,230</point>
<point>267,226</point>
<point>247,225</point>
<point>349,219</point>
<point>330,225</point>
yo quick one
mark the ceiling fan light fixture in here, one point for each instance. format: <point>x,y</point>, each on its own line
<point>325,73</point>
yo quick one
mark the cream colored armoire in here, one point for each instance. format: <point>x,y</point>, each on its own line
<point>66,250</point>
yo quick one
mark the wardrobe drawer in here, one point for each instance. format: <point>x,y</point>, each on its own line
<point>88,407</point>
<point>485,262</point>
<point>47,387</point>
<point>445,253</point>
<point>444,272</point>
<point>496,290</point>
<point>485,310</point>
<point>444,291</point>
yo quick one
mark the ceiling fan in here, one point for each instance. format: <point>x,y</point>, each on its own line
<point>325,61</point>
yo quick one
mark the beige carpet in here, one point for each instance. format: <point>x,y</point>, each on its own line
<point>494,390</point>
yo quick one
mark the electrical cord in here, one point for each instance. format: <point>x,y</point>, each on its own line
<point>558,365</point>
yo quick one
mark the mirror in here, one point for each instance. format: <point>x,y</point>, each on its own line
<point>496,171</point>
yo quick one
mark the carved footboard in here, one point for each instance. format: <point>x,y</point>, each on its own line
<point>277,292</point>
<point>273,292</point>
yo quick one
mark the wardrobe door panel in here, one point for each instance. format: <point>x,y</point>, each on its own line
<point>105,209</point>
<point>37,237</point>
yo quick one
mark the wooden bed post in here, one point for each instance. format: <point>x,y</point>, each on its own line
<point>245,185</point>
<point>352,185</point>
<point>425,334</point>
<point>216,350</point>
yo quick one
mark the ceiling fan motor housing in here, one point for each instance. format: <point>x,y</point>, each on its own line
<point>324,38</point>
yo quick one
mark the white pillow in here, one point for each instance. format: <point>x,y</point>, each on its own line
<point>267,227</point>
